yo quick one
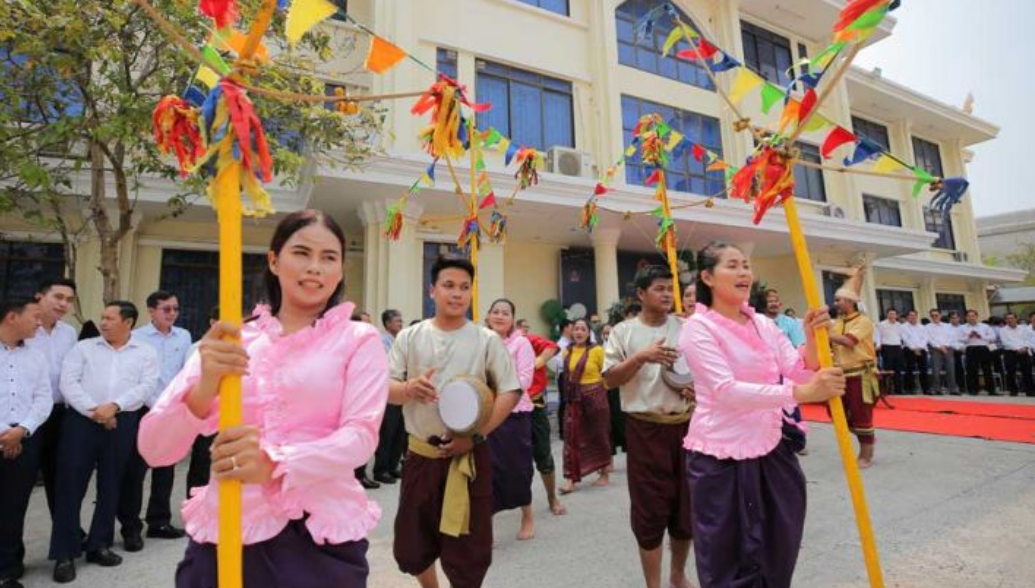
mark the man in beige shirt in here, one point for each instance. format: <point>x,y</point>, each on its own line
<point>638,353</point>
<point>442,470</point>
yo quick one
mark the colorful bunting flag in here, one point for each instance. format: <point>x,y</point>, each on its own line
<point>305,14</point>
<point>745,81</point>
<point>923,179</point>
<point>837,137</point>
<point>771,94</point>
<point>382,55</point>
<point>887,164</point>
<point>864,149</point>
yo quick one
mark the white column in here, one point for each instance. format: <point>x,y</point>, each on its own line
<point>404,264</point>
<point>372,215</point>
<point>605,265</point>
<point>490,276</point>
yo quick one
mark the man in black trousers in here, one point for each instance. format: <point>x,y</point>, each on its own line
<point>105,381</point>
<point>25,403</point>
<point>392,438</point>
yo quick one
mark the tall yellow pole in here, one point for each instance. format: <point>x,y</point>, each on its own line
<point>837,411</point>
<point>670,242</point>
<point>473,213</point>
<point>229,549</point>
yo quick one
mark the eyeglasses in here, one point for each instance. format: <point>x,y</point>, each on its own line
<point>169,309</point>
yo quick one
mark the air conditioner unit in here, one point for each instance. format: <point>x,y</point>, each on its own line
<point>833,211</point>
<point>569,162</point>
<point>960,256</point>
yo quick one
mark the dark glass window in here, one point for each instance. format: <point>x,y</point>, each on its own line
<point>645,54</point>
<point>831,282</point>
<point>950,302</point>
<point>532,109</point>
<point>685,174</point>
<point>928,157</point>
<point>447,62</point>
<point>936,222</point>
<point>24,265</point>
<point>808,181</point>
<point>193,276</point>
<point>431,253</point>
<point>875,132</point>
<point>900,300</point>
<point>558,6</point>
<point>767,53</point>
<point>343,8</point>
<point>882,211</point>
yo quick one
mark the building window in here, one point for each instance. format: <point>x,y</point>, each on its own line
<point>937,222</point>
<point>808,181</point>
<point>831,282</point>
<point>900,300</point>
<point>767,53</point>
<point>685,174</point>
<point>645,54</point>
<point>928,157</point>
<point>532,109</point>
<point>882,211</point>
<point>343,8</point>
<point>24,265</point>
<point>28,106</point>
<point>952,302</point>
<point>875,132</point>
<point>558,6</point>
<point>193,276</point>
<point>447,63</point>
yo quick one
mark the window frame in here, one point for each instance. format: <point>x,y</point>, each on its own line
<point>872,130</point>
<point>894,295</point>
<point>546,85</point>
<point>644,50</point>
<point>885,203</point>
<point>194,317</point>
<point>539,4</point>
<point>946,307</point>
<point>810,173</point>
<point>447,61</point>
<point>937,222</point>
<point>759,37</point>
<point>712,182</point>
<point>49,266</point>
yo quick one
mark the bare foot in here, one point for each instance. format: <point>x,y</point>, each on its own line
<point>865,462</point>
<point>567,488</point>
<point>527,532</point>
<point>557,508</point>
<point>865,456</point>
<point>681,582</point>
<point>603,480</point>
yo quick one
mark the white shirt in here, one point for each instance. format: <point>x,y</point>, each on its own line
<point>25,398</point>
<point>985,338</point>
<point>914,336</point>
<point>172,349</point>
<point>1015,338</point>
<point>387,340</point>
<point>957,333</point>
<point>54,345</point>
<point>890,332</point>
<point>94,374</point>
<point>941,335</point>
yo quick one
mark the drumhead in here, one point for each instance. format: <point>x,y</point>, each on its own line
<point>459,406</point>
<point>678,376</point>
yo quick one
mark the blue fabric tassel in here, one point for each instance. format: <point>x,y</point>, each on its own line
<point>950,194</point>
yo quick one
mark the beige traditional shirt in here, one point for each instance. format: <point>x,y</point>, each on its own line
<point>646,392</point>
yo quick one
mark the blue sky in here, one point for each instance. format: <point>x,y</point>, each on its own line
<point>947,48</point>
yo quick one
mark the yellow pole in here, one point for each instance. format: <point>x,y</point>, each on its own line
<point>474,214</point>
<point>844,440</point>
<point>229,549</point>
<point>670,242</point>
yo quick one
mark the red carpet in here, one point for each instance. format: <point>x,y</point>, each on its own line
<point>956,418</point>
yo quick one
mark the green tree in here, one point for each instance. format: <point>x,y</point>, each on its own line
<point>78,82</point>
<point>1024,259</point>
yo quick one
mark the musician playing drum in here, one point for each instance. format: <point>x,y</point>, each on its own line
<point>641,360</point>
<point>445,504</point>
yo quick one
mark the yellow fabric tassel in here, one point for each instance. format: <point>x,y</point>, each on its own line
<point>456,505</point>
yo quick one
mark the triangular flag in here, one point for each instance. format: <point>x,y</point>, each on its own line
<point>745,81</point>
<point>808,102</point>
<point>837,137</point>
<point>698,152</point>
<point>304,15</point>
<point>215,60</point>
<point>717,165</point>
<point>790,114</point>
<point>488,201</point>
<point>503,145</point>
<point>818,122</point>
<point>771,94</point>
<point>887,164</point>
<point>382,55</point>
<point>923,178</point>
<point>653,179</point>
<point>207,76</point>
<point>430,172</point>
<point>726,64</point>
<point>673,38</point>
<point>864,149</point>
<point>600,190</point>
<point>673,139</point>
<point>512,150</point>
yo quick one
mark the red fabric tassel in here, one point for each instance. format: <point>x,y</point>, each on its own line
<point>175,127</point>
<point>854,10</point>
<point>653,179</point>
<point>224,12</point>
<point>248,129</point>
<point>600,190</point>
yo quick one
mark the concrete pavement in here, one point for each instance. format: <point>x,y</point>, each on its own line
<point>949,512</point>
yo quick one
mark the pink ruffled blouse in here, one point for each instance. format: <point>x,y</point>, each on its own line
<point>737,371</point>
<point>318,396</point>
<point>521,352</point>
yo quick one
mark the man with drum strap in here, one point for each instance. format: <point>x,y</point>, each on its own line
<point>637,356</point>
<point>445,505</point>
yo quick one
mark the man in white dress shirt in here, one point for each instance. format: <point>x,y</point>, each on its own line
<point>915,342</point>
<point>25,402</point>
<point>54,338</point>
<point>890,331</point>
<point>978,338</point>
<point>172,345</point>
<point>104,380</point>
<point>1017,343</point>
<point>941,337</point>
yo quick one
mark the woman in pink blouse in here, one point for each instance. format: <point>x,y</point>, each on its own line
<point>511,443</point>
<point>747,489</point>
<point>315,388</point>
